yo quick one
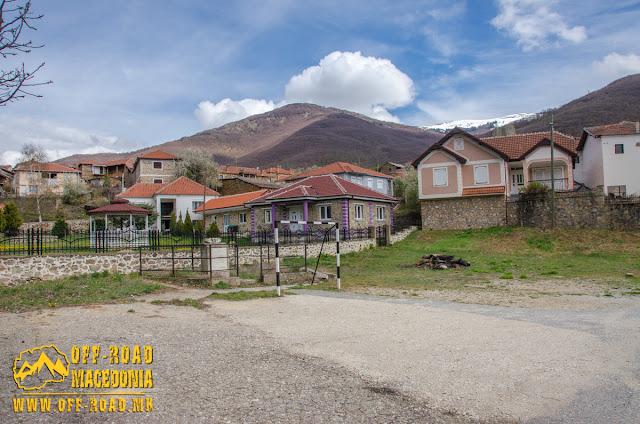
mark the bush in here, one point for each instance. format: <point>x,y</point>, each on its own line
<point>12,219</point>
<point>172,223</point>
<point>534,188</point>
<point>179,226</point>
<point>73,191</point>
<point>188,225</point>
<point>213,230</point>
<point>60,228</point>
<point>198,226</point>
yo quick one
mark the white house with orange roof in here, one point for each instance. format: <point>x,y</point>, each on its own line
<point>377,181</point>
<point>181,196</point>
<point>608,157</point>
<point>465,181</point>
<point>31,178</point>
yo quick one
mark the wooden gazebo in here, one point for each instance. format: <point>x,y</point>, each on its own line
<point>113,236</point>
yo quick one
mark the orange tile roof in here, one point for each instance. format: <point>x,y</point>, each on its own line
<point>516,146</point>
<point>231,201</point>
<point>184,185</point>
<point>141,190</point>
<point>49,167</point>
<point>157,154</point>
<point>239,170</point>
<point>482,190</point>
<point>339,168</point>
<point>621,128</point>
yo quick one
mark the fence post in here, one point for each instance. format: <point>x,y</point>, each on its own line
<point>237,261</point>
<point>140,256</point>
<point>261,273</point>
<point>338,254</point>
<point>275,242</point>
<point>173,261</point>
<point>305,257</point>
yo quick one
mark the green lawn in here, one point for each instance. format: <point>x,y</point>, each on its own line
<point>496,253</point>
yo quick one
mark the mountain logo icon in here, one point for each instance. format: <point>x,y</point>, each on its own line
<point>34,368</point>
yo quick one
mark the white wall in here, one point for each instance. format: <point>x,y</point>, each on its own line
<point>622,169</point>
<point>589,170</point>
<point>183,203</point>
<point>387,183</point>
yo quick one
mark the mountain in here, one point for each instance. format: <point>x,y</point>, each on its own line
<point>300,135</point>
<point>43,361</point>
<point>614,103</point>
<point>480,126</point>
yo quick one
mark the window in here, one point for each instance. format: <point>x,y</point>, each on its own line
<point>619,149</point>
<point>157,165</point>
<point>33,189</point>
<point>440,177</point>
<point>196,204</point>
<point>157,180</point>
<point>267,216</point>
<point>458,144</point>
<point>380,185</point>
<point>242,218</point>
<point>359,180</point>
<point>370,182</point>
<point>481,174</point>
<point>380,213</point>
<point>325,212</point>
<point>517,179</point>
<point>358,212</point>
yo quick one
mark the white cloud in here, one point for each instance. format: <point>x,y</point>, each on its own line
<point>617,65</point>
<point>57,140</point>
<point>214,115</point>
<point>534,24</point>
<point>347,80</point>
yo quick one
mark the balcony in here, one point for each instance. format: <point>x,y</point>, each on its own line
<point>561,184</point>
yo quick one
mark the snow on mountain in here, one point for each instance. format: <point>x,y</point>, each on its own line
<point>476,123</point>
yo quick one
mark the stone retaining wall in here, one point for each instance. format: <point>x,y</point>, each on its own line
<point>463,212</point>
<point>18,270</point>
<point>74,225</point>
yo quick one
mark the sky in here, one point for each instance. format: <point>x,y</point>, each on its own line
<point>136,73</point>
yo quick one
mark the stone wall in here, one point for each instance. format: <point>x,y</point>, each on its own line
<point>74,225</point>
<point>463,212</point>
<point>575,210</point>
<point>18,270</point>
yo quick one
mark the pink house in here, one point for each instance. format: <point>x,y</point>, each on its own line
<point>465,181</point>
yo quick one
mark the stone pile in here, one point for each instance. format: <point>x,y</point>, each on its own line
<point>441,262</point>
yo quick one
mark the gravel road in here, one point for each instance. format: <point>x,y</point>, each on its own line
<point>343,358</point>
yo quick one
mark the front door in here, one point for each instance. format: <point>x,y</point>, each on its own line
<point>295,214</point>
<point>517,181</point>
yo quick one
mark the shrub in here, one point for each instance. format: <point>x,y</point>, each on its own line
<point>60,228</point>
<point>179,226</point>
<point>198,226</point>
<point>188,225</point>
<point>213,230</point>
<point>172,223</point>
<point>534,188</point>
<point>73,191</point>
<point>12,219</point>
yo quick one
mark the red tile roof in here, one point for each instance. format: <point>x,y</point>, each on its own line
<point>231,201</point>
<point>184,185</point>
<point>239,170</point>
<point>482,190</point>
<point>120,206</point>
<point>321,186</point>
<point>141,190</point>
<point>49,167</point>
<point>621,128</point>
<point>277,170</point>
<point>515,147</point>
<point>339,168</point>
<point>157,154</point>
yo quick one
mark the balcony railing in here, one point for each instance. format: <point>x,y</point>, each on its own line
<point>559,183</point>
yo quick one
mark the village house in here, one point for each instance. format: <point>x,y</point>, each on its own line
<point>608,157</point>
<point>93,172</point>
<point>156,167</point>
<point>6,177</point>
<point>228,171</point>
<point>322,198</point>
<point>394,169</point>
<point>373,180</point>
<point>32,178</point>
<point>465,181</point>
<point>230,211</point>
<point>237,185</point>
<point>180,196</point>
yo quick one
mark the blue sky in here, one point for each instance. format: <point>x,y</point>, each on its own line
<point>131,74</point>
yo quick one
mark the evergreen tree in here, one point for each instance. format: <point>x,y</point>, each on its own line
<point>213,230</point>
<point>12,219</point>
<point>179,225</point>
<point>60,228</point>
<point>188,225</point>
<point>2,221</point>
<point>172,223</point>
<point>198,226</point>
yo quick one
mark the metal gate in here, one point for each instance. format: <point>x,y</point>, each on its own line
<point>381,236</point>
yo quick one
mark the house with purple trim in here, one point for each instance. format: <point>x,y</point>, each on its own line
<point>322,198</point>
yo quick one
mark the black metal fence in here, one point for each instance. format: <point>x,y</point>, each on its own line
<point>41,242</point>
<point>286,236</point>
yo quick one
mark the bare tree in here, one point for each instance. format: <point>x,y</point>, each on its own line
<point>34,156</point>
<point>16,16</point>
<point>199,166</point>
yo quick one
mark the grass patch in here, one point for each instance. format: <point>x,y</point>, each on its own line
<point>222,285</point>
<point>246,295</point>
<point>196,303</point>
<point>73,291</point>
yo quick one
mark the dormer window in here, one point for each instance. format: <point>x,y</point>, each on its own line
<point>458,144</point>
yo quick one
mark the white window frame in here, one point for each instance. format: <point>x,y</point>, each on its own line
<point>446,177</point>
<point>475,174</point>
<point>359,207</point>
<point>380,213</point>
<point>268,219</point>
<point>458,144</point>
<point>195,204</point>
<point>359,180</point>
<point>325,208</point>
<point>242,218</point>
<point>153,165</point>
<point>370,182</point>
<point>380,185</point>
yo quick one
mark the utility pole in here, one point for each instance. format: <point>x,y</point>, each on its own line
<point>553,183</point>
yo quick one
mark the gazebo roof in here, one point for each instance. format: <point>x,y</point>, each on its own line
<point>119,207</point>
